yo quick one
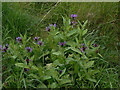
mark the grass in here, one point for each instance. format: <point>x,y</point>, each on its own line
<point>34,17</point>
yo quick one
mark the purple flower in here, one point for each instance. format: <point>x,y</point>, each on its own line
<point>40,43</point>
<point>48,28</point>
<point>60,71</point>
<point>82,44</point>
<point>97,51</point>
<point>73,16</point>
<point>95,45</point>
<point>83,48</point>
<point>35,39</point>
<point>0,47</point>
<point>27,60</point>
<point>62,44</point>
<point>28,49</point>
<point>19,39</point>
<point>26,69</point>
<point>73,23</point>
<point>6,47</point>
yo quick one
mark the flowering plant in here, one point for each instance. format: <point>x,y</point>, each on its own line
<point>64,59</point>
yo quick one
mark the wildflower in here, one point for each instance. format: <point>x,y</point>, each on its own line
<point>60,71</point>
<point>0,47</point>
<point>26,69</point>
<point>82,44</point>
<point>40,43</point>
<point>6,47</point>
<point>62,44</point>
<point>35,39</point>
<point>73,23</point>
<point>95,45</point>
<point>73,16</point>
<point>48,28</point>
<point>19,39</point>
<point>27,60</point>
<point>97,51</point>
<point>83,48</point>
<point>28,49</point>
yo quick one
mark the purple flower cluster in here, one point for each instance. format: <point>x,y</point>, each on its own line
<point>48,28</point>
<point>73,22</point>
<point>83,48</point>
<point>0,47</point>
<point>19,39</point>
<point>40,43</point>
<point>26,69</point>
<point>95,45</point>
<point>60,71</point>
<point>62,43</point>
<point>27,60</point>
<point>73,16</point>
<point>35,39</point>
<point>28,49</point>
<point>5,49</point>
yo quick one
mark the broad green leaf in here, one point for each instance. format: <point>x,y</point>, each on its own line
<point>76,50</point>
<point>46,77</point>
<point>71,33</point>
<point>34,76</point>
<point>44,54</point>
<point>84,32</point>
<point>35,68</point>
<point>89,64</point>
<point>22,65</point>
<point>56,62</point>
<point>64,81</point>
<point>53,85</point>
<point>57,53</point>
<point>92,80</point>
<point>71,43</point>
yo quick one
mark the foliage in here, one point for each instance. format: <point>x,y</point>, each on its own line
<point>67,58</point>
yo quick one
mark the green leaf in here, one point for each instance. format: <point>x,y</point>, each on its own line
<point>44,54</point>
<point>71,43</point>
<point>64,81</point>
<point>35,68</point>
<point>22,65</point>
<point>63,72</point>
<point>56,62</point>
<point>53,85</point>
<point>84,32</point>
<point>89,64</point>
<point>92,80</point>
<point>57,53</point>
<point>71,33</point>
<point>46,77</point>
<point>34,76</point>
<point>76,50</point>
